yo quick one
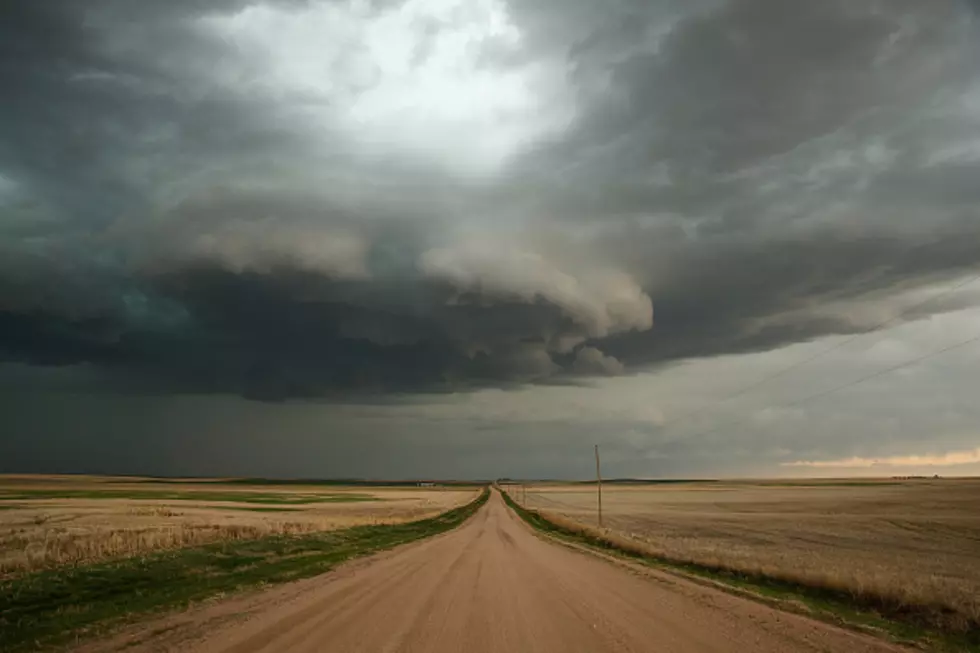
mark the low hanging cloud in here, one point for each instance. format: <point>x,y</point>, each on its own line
<point>494,194</point>
<point>600,301</point>
<point>590,360</point>
<point>262,247</point>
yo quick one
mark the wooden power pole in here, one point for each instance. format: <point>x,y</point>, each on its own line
<point>598,480</point>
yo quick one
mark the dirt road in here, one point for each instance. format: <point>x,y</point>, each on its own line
<point>493,586</point>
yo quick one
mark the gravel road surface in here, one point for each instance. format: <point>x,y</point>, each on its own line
<point>490,586</point>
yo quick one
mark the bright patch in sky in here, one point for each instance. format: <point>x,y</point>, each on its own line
<point>424,76</point>
<point>7,187</point>
<point>928,460</point>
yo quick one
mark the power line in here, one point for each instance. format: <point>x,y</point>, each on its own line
<point>845,386</point>
<point>794,366</point>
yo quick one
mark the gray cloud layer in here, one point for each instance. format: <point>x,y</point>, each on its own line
<point>192,201</point>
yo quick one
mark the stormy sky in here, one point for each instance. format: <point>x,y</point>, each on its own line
<point>471,238</point>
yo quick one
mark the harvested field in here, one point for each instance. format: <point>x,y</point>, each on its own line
<point>489,586</point>
<point>906,545</point>
<point>51,521</point>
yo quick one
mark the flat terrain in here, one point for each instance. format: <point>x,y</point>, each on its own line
<point>48,521</point>
<point>913,543</point>
<point>489,586</point>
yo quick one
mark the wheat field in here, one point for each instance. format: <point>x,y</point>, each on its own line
<point>904,543</point>
<point>49,521</point>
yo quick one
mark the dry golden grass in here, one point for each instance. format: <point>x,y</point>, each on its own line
<point>38,533</point>
<point>910,545</point>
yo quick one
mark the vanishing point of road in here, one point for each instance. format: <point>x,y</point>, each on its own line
<point>493,586</point>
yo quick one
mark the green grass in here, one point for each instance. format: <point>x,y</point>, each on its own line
<point>903,624</point>
<point>237,497</point>
<point>53,607</point>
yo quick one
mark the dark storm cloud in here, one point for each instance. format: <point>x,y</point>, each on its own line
<point>762,171</point>
<point>730,85</point>
<point>750,296</point>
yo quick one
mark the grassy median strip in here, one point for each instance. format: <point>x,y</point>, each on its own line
<point>48,608</point>
<point>919,625</point>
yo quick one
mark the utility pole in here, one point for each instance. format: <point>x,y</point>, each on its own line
<point>598,481</point>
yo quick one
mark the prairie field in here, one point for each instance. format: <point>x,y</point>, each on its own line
<point>49,521</point>
<point>908,544</point>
